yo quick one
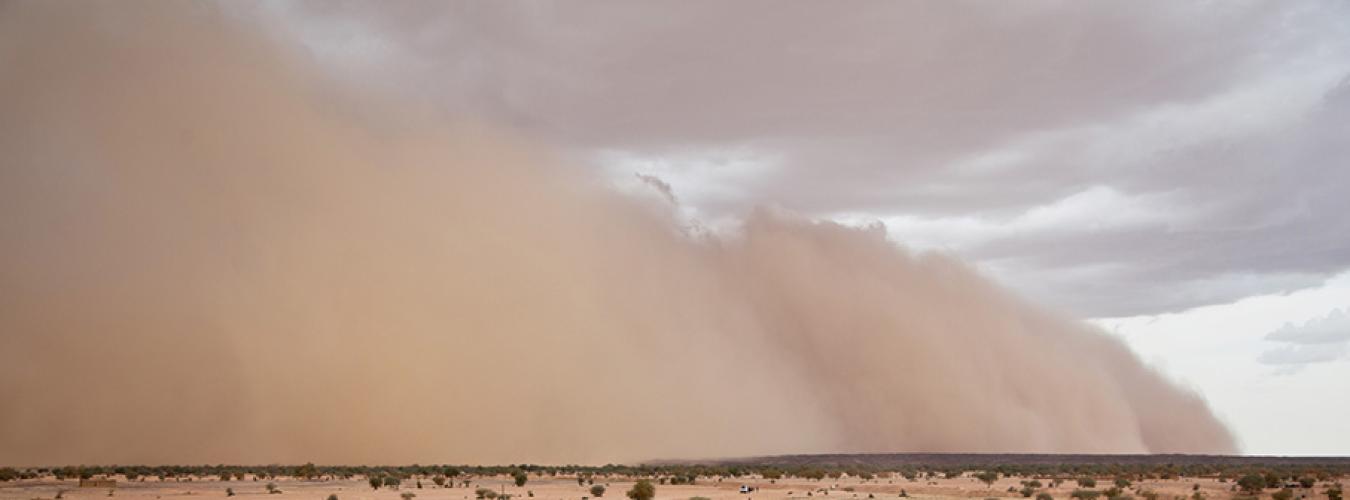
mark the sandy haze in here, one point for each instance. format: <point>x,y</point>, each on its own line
<point>210,252</point>
<point>566,488</point>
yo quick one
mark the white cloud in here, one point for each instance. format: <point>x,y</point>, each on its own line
<point>1218,349</point>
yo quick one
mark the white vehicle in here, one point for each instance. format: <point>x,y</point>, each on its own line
<point>746,488</point>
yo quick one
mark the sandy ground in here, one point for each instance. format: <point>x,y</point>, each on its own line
<point>565,488</point>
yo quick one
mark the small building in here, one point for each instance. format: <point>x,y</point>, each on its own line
<point>101,482</point>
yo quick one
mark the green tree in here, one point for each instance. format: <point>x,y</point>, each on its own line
<point>643,490</point>
<point>375,481</point>
<point>520,477</point>
<point>987,477</point>
<point>1252,483</point>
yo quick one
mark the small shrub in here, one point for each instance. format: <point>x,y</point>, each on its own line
<point>1086,482</point>
<point>1085,494</point>
<point>1044,496</point>
<point>642,490</point>
<point>597,491</point>
<point>375,482</point>
<point>332,496</point>
<point>520,477</point>
<point>229,492</point>
<point>408,495</point>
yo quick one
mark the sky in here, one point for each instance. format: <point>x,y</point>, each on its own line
<point>1175,172</point>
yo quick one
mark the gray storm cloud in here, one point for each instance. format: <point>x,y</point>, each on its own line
<point>210,253</point>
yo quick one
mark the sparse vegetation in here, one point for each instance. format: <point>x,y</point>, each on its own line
<point>597,491</point>
<point>520,478</point>
<point>272,489</point>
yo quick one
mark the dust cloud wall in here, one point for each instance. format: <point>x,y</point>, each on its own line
<point>211,252</point>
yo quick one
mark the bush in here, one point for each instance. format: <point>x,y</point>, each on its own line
<point>392,481</point>
<point>643,490</point>
<point>1086,482</point>
<point>272,489</point>
<point>375,482</point>
<point>482,493</point>
<point>332,496</point>
<point>1027,491</point>
<point>439,480</point>
<point>597,491</point>
<point>1252,483</point>
<point>408,495</point>
<point>1044,496</point>
<point>521,478</point>
<point>1085,494</point>
<point>229,492</point>
<point>1284,494</point>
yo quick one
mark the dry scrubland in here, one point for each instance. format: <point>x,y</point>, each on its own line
<point>968,484</point>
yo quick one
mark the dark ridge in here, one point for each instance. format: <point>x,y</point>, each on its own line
<point>952,459</point>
